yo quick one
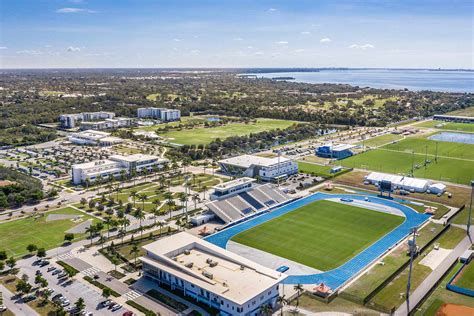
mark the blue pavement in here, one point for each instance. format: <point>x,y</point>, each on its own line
<point>339,276</point>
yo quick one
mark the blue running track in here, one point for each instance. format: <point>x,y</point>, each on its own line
<point>339,276</point>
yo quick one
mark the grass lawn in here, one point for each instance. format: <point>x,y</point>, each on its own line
<point>322,235</point>
<point>400,162</point>
<point>464,112</point>
<point>450,126</point>
<point>324,171</point>
<point>202,135</point>
<point>466,278</point>
<point>338,305</point>
<point>380,140</point>
<point>442,296</point>
<point>17,234</point>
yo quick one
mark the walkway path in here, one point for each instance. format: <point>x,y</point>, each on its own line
<point>422,290</point>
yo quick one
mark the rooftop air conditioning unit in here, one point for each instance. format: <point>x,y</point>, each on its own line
<point>187,252</point>
<point>213,264</point>
<point>208,275</point>
<point>189,265</point>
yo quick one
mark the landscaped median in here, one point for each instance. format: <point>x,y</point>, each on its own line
<point>100,285</point>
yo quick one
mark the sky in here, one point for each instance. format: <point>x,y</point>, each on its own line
<point>232,34</point>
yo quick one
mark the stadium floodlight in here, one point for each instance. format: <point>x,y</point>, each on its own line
<point>470,210</point>
<point>412,249</point>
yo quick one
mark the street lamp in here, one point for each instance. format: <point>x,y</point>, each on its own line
<point>412,249</point>
<point>470,209</point>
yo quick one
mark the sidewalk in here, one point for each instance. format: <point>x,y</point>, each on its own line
<point>421,291</point>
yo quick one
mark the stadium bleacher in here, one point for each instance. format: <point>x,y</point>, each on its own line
<point>248,203</point>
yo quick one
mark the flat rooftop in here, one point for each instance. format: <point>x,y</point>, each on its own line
<point>95,163</point>
<point>245,161</point>
<point>136,157</point>
<point>211,267</point>
<point>233,183</point>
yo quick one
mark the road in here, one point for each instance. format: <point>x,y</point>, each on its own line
<point>422,290</point>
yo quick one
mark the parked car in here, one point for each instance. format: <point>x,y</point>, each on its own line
<point>51,268</point>
<point>116,307</point>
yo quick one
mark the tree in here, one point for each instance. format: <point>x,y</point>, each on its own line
<point>23,287</point>
<point>31,248</point>
<point>106,292</point>
<point>133,195</point>
<point>143,198</point>
<point>69,237</point>
<point>171,205</point>
<point>11,263</point>
<point>196,199</point>
<point>41,253</point>
<point>140,215</point>
<point>298,288</point>
<point>83,202</point>
<point>91,230</point>
<point>135,251</point>
<point>282,301</point>
<point>80,304</point>
<point>91,204</point>
<point>2,265</point>
<point>70,271</point>
<point>266,309</point>
<point>3,255</point>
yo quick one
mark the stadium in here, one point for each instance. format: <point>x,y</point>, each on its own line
<point>323,239</point>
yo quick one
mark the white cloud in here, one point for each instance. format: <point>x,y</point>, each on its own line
<point>325,40</point>
<point>48,46</point>
<point>272,10</point>
<point>259,53</point>
<point>300,50</point>
<point>238,39</point>
<point>249,47</point>
<point>282,43</point>
<point>363,47</point>
<point>73,49</point>
<point>195,51</point>
<point>3,47</point>
<point>29,52</point>
<point>305,33</point>
<point>74,10</point>
<point>177,39</point>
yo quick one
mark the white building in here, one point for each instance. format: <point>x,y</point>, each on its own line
<point>226,189</point>
<point>114,167</point>
<point>399,182</point>
<point>94,138</point>
<point>165,115</point>
<point>231,284</point>
<point>268,169</point>
<point>73,120</point>
<point>111,123</point>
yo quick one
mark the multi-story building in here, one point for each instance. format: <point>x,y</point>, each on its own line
<point>107,123</point>
<point>114,167</point>
<point>268,169</point>
<point>72,120</point>
<point>227,282</point>
<point>339,151</point>
<point>94,138</point>
<point>165,115</point>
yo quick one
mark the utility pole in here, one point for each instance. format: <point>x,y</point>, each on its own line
<point>470,210</point>
<point>426,156</point>
<point>412,248</point>
<point>436,154</point>
<point>412,163</point>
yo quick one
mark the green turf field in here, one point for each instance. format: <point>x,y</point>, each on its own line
<point>203,135</point>
<point>322,235</point>
<point>461,127</point>
<point>455,161</point>
<point>466,278</point>
<point>324,171</point>
<point>380,140</point>
<point>15,235</point>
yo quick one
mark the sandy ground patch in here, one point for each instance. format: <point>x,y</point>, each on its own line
<point>58,217</point>
<point>269,260</point>
<point>455,310</point>
<point>435,257</point>
<point>371,206</point>
<point>81,228</point>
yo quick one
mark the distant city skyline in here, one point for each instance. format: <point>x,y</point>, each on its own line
<point>236,34</point>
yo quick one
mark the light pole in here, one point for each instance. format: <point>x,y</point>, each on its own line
<point>470,210</point>
<point>412,248</point>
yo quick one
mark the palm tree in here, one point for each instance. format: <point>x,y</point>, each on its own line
<point>123,176</point>
<point>183,199</point>
<point>162,181</point>
<point>140,215</point>
<point>156,210</point>
<point>204,189</point>
<point>298,288</point>
<point>196,199</point>
<point>143,198</point>
<point>266,309</point>
<point>135,251</point>
<point>171,204</point>
<point>282,301</point>
<point>125,222</point>
<point>109,187</point>
<point>107,222</point>
<point>133,195</point>
<point>91,230</point>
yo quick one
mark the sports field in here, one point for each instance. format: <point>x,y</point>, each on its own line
<point>204,135</point>
<point>15,235</point>
<point>455,160</point>
<point>466,278</point>
<point>461,127</point>
<point>380,140</point>
<point>322,235</point>
<point>319,170</point>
